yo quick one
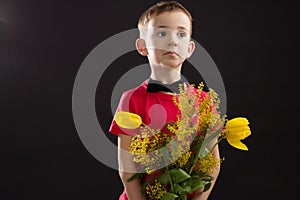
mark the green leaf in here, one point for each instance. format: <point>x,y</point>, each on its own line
<point>188,189</point>
<point>207,177</point>
<point>207,140</point>
<point>164,178</point>
<point>193,184</point>
<point>178,175</point>
<point>134,177</point>
<point>179,190</point>
<point>207,186</point>
<point>169,196</point>
<point>203,153</point>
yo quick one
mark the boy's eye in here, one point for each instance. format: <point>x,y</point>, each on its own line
<point>161,34</point>
<point>181,35</point>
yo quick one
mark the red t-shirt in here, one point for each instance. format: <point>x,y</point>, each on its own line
<point>156,109</point>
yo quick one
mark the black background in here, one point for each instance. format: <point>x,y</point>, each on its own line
<point>43,43</point>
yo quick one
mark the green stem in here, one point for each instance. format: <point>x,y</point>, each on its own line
<point>195,159</point>
<point>171,182</point>
<point>221,138</point>
<point>193,166</point>
<point>168,172</point>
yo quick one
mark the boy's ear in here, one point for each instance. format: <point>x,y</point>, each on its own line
<point>191,48</point>
<point>140,45</point>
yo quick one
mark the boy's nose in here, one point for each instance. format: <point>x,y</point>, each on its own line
<point>172,43</point>
<point>173,40</point>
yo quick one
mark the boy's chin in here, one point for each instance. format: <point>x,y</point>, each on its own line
<point>173,64</point>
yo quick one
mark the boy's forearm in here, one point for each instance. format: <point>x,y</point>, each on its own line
<point>133,188</point>
<point>127,169</point>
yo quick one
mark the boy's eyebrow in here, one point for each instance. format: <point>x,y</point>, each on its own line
<point>179,27</point>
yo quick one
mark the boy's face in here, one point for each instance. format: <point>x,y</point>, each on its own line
<point>168,39</point>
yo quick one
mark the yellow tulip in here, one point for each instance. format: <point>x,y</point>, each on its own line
<point>128,120</point>
<point>236,122</point>
<point>237,129</point>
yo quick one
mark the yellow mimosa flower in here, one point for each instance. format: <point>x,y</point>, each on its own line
<point>128,120</point>
<point>237,129</point>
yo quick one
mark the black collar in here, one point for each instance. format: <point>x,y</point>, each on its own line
<point>157,86</point>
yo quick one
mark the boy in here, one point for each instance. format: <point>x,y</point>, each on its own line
<point>165,32</point>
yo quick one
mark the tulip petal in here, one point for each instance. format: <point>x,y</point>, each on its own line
<point>238,144</point>
<point>128,120</point>
<point>240,135</point>
<point>239,128</point>
<point>235,122</point>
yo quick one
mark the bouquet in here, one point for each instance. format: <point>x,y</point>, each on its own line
<point>177,160</point>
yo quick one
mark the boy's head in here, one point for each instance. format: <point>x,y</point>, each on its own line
<point>159,8</point>
<point>165,32</point>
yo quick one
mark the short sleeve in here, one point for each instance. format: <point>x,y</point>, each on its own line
<point>125,104</point>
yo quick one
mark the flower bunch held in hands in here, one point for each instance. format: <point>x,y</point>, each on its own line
<point>177,161</point>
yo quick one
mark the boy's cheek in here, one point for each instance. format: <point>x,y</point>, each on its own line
<point>158,45</point>
<point>183,52</point>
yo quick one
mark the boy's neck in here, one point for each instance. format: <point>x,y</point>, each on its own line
<point>165,75</point>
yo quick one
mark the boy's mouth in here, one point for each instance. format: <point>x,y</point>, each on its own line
<point>171,53</point>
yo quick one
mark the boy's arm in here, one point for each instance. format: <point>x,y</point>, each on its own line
<point>133,188</point>
<point>200,195</point>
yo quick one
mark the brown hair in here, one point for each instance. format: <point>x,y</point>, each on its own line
<point>159,8</point>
